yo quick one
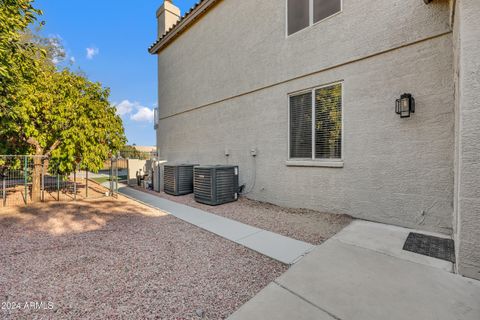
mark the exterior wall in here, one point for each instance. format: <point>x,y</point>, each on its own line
<point>234,95</point>
<point>467,173</point>
<point>215,60</point>
<point>134,165</point>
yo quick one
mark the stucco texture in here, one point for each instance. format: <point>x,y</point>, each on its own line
<point>397,171</point>
<point>467,47</point>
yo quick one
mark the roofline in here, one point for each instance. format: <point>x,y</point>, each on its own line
<point>186,21</point>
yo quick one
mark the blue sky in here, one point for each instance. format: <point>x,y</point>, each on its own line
<point>108,40</point>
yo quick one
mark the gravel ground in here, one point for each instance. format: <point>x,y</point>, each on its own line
<point>302,224</point>
<point>15,195</point>
<point>116,259</point>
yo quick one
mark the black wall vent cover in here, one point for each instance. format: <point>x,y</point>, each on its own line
<point>431,246</point>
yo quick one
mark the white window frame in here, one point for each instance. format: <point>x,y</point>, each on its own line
<point>311,23</point>
<point>316,162</point>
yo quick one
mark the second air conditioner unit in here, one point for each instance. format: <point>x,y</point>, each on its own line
<point>216,185</point>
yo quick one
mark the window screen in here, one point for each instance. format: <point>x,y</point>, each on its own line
<point>301,126</point>
<point>325,8</point>
<point>298,15</point>
<point>328,122</point>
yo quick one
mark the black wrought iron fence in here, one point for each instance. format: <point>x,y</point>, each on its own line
<point>28,179</point>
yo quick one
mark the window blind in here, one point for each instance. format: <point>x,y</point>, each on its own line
<point>328,122</point>
<point>301,126</point>
<point>316,123</point>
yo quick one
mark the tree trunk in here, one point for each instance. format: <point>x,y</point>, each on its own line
<point>37,179</point>
<point>38,166</point>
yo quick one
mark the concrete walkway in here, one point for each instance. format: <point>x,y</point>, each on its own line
<point>363,273</point>
<point>278,247</point>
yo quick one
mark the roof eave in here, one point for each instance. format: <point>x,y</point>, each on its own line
<point>194,14</point>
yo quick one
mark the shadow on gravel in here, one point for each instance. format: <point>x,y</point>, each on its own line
<point>65,218</point>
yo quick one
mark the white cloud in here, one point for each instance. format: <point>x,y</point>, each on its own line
<point>92,52</point>
<point>126,107</point>
<point>72,60</point>
<point>136,111</point>
<point>143,114</point>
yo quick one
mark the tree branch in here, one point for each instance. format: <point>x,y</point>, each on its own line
<point>34,142</point>
<point>53,147</point>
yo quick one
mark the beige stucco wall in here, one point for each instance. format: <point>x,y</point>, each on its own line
<point>397,171</point>
<point>393,169</point>
<point>215,59</point>
<point>135,165</point>
<point>467,164</point>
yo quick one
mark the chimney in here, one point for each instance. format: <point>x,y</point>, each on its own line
<point>167,16</point>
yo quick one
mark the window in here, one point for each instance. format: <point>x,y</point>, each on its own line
<point>316,124</point>
<point>298,15</point>
<point>301,126</point>
<point>325,8</point>
<point>304,13</point>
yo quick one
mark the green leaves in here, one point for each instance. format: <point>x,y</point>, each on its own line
<point>15,17</point>
<point>46,111</point>
<point>67,108</point>
<point>17,64</point>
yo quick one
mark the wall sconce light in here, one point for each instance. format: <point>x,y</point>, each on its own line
<point>405,105</point>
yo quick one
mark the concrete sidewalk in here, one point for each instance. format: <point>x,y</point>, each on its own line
<point>363,273</point>
<point>278,247</point>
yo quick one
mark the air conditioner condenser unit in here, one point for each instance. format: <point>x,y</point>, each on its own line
<point>178,179</point>
<point>215,185</point>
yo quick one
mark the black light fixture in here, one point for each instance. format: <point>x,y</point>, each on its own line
<point>405,105</point>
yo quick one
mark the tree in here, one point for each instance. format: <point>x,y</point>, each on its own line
<point>65,116</point>
<point>48,112</point>
<point>15,17</point>
<point>17,63</point>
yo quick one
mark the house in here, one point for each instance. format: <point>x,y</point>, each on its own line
<point>145,148</point>
<point>302,95</point>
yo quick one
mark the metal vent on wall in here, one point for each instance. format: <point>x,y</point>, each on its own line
<point>431,246</point>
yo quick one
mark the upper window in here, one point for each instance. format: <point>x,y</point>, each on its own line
<point>304,13</point>
<point>316,124</point>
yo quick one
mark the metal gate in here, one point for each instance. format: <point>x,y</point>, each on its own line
<point>118,174</point>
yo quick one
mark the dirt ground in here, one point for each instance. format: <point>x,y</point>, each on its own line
<point>302,224</point>
<point>116,259</point>
<point>15,195</point>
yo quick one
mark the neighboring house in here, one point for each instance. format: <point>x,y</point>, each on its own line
<point>310,87</point>
<point>145,148</point>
